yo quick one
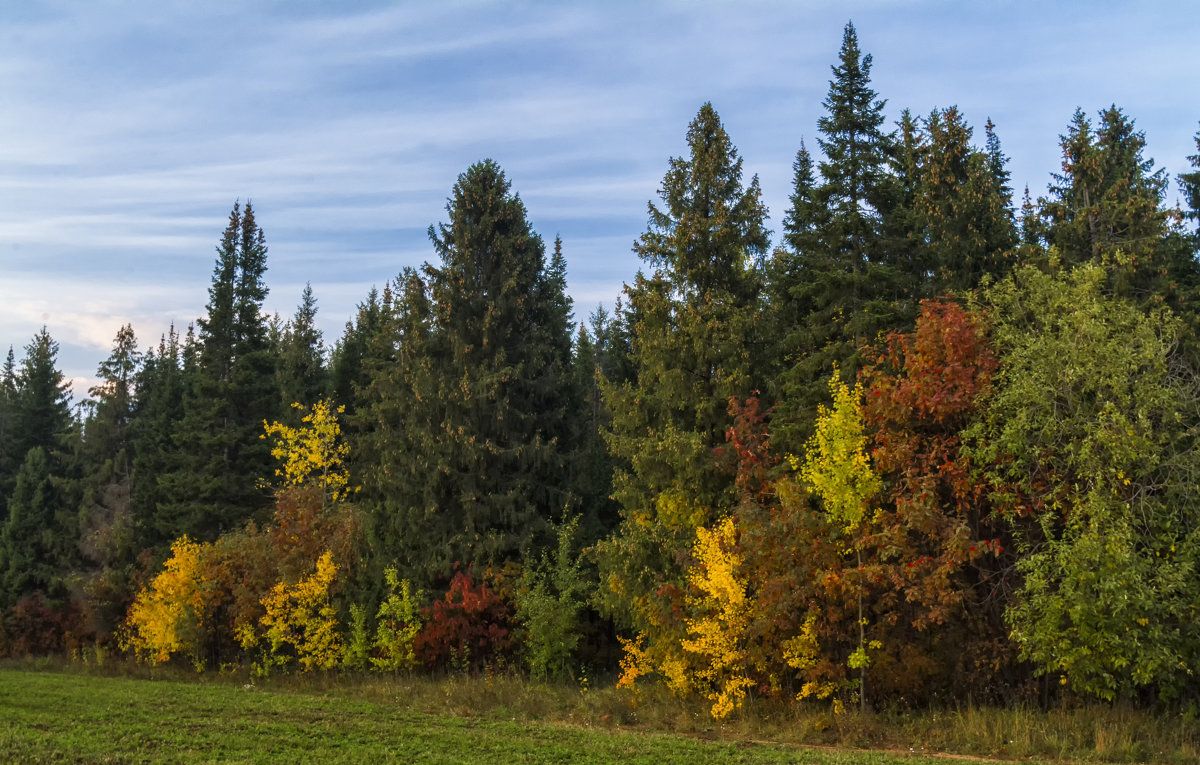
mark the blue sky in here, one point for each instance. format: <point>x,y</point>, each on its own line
<point>128,129</point>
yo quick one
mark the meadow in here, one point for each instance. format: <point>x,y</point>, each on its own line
<point>118,713</point>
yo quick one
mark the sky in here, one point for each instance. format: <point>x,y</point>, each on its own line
<point>129,129</point>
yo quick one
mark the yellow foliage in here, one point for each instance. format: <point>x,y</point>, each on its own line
<point>718,635</point>
<point>314,453</point>
<point>168,616</point>
<point>635,663</point>
<point>836,463</point>
<point>301,616</point>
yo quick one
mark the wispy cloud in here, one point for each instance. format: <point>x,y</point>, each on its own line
<point>129,129</point>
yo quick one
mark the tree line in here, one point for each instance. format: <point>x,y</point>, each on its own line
<point>931,444</point>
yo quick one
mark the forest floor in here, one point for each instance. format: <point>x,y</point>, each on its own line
<point>61,712</point>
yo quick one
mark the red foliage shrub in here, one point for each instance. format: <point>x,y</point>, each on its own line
<point>469,627</point>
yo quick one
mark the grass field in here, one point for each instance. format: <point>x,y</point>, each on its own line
<point>70,717</point>
<point>56,712</point>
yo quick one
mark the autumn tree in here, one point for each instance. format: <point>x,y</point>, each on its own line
<point>1089,443</point>
<point>940,558</point>
<point>839,471</point>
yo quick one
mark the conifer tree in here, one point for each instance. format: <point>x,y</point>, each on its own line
<point>1106,207</point>
<point>43,412</point>
<point>37,543</point>
<point>302,374</point>
<point>106,535</point>
<point>964,205</point>
<point>848,287</point>
<point>695,344</point>
<point>161,380</point>
<point>348,362</point>
<point>232,392</point>
<point>470,425</point>
<point>8,434</point>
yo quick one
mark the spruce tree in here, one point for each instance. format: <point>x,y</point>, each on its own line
<point>107,538</point>
<point>469,425</point>
<point>695,343</point>
<point>38,539</point>
<point>302,374</point>
<point>230,394</point>
<point>1106,207</point>
<point>964,206</point>
<point>847,284</point>
<point>160,384</point>
<point>8,435</point>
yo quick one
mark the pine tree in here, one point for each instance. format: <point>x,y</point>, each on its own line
<point>231,394</point>
<point>37,544</point>
<point>695,344</point>
<point>1189,183</point>
<point>38,538</point>
<point>964,205</point>
<point>1106,207</point>
<point>43,411</point>
<point>106,517</point>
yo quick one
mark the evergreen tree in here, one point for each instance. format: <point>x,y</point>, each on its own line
<point>8,434</point>
<point>1106,207</point>
<point>38,539</point>
<point>964,205</point>
<point>37,544</point>
<point>848,284</point>
<point>231,394</point>
<point>348,363</point>
<point>302,374</point>
<point>106,518</point>
<point>160,383</point>
<point>43,411</point>
<point>469,425</point>
<point>696,343</point>
<point>1189,183</point>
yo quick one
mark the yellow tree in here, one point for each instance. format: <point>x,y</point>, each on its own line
<point>837,468</point>
<point>718,635</point>
<point>301,616</point>
<point>312,454</point>
<point>169,615</point>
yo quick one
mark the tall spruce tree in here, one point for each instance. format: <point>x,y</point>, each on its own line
<point>229,395</point>
<point>37,541</point>
<point>161,380</point>
<point>1106,207</point>
<point>695,343</point>
<point>107,538</point>
<point>963,205</point>
<point>8,433</point>
<point>469,425</point>
<point>847,283</point>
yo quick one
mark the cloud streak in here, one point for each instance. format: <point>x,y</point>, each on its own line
<point>129,129</point>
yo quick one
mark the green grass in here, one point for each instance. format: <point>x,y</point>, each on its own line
<point>52,711</point>
<point>72,717</point>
